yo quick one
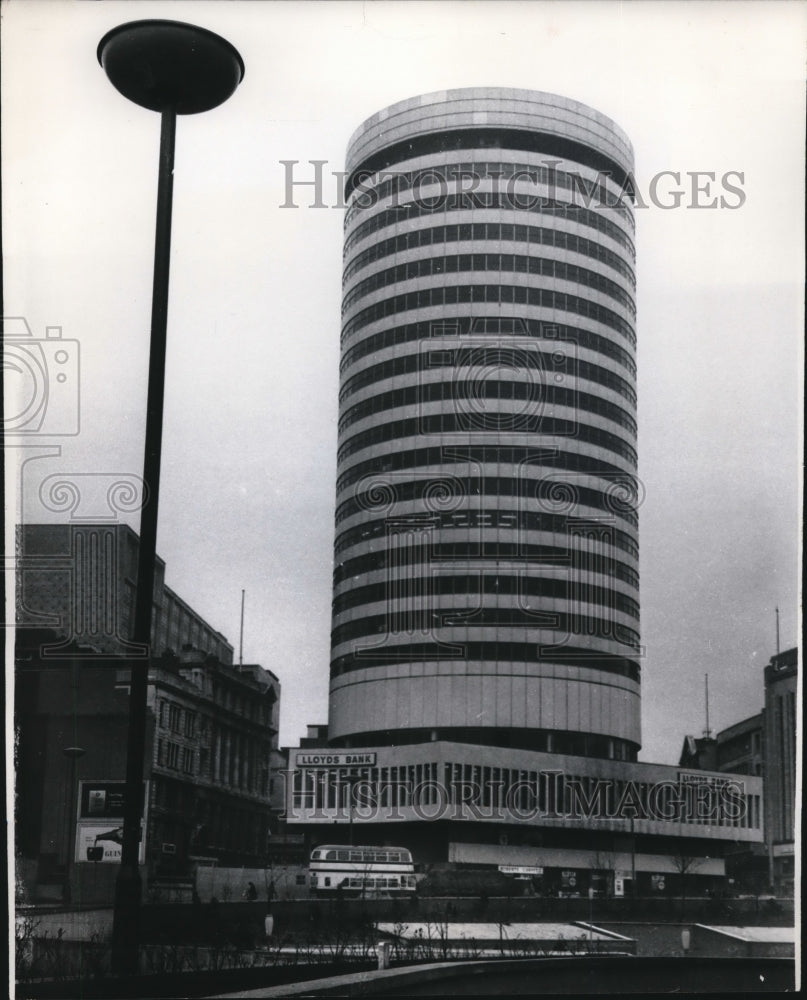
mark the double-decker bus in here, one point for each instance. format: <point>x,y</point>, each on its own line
<point>361,871</point>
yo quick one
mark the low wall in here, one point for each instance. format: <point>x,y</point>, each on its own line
<point>281,883</point>
<point>715,942</point>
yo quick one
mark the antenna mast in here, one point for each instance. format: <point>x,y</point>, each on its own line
<point>777,631</point>
<point>707,732</point>
<point>241,641</point>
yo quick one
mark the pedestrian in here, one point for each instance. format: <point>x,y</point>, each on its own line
<point>250,893</point>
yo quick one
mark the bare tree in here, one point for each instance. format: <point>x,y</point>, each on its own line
<point>684,864</point>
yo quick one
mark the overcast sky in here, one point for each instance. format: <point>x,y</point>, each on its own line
<point>247,493</point>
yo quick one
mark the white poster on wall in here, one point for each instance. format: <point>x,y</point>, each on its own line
<point>102,844</point>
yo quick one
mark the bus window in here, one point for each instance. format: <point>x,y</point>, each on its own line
<point>330,856</point>
<point>341,855</point>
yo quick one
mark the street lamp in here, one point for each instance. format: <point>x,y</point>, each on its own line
<point>175,69</point>
<point>73,754</point>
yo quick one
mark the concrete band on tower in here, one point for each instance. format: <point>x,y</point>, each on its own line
<point>486,580</point>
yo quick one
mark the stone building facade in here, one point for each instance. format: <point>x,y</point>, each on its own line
<point>212,726</point>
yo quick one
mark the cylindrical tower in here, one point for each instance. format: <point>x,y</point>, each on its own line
<point>486,552</point>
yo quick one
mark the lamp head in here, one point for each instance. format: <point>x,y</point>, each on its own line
<point>170,65</point>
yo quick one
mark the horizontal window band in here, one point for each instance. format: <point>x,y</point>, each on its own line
<point>400,589</point>
<point>434,356</point>
<point>443,555</point>
<point>456,139</point>
<point>402,215</point>
<point>499,232</point>
<point>499,263</point>
<point>456,493</point>
<point>561,741</point>
<point>398,623</point>
<point>450,295</point>
<point>539,392</point>
<point>486,652</point>
<point>482,454</point>
<point>438,424</point>
<point>394,184</point>
<point>486,522</point>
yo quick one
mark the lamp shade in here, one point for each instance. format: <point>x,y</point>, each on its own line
<point>170,65</point>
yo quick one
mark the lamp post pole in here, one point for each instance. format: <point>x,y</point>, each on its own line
<point>172,68</point>
<point>128,887</point>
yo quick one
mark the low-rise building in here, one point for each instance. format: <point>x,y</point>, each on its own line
<point>580,823</point>
<point>763,744</point>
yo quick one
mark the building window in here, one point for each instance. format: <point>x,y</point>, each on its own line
<point>187,762</point>
<point>172,755</point>
<point>190,724</point>
<point>174,715</point>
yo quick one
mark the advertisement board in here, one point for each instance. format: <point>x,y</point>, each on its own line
<point>99,830</point>
<point>101,799</point>
<point>103,844</point>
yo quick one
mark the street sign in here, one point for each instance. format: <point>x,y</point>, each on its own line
<point>334,758</point>
<point>521,870</point>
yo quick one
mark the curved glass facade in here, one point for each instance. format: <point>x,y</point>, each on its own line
<point>486,554</point>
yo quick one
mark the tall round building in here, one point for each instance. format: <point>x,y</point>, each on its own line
<point>486,585</point>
